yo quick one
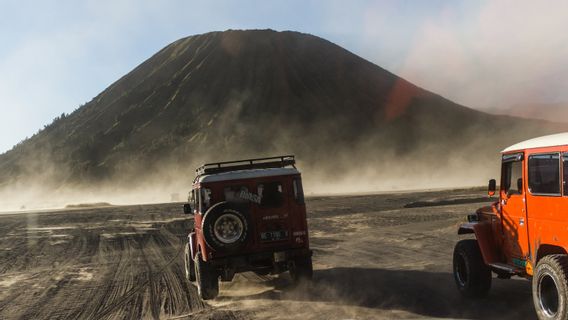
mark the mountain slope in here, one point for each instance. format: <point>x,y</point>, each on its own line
<point>232,94</point>
<point>546,111</point>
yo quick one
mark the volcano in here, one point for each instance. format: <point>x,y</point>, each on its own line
<point>237,94</point>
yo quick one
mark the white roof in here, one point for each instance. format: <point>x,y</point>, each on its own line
<point>245,174</point>
<point>552,140</point>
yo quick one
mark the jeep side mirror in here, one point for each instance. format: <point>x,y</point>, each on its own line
<point>520,185</point>
<point>187,209</point>
<point>492,187</point>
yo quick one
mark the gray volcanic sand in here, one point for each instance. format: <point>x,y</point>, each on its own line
<point>373,259</point>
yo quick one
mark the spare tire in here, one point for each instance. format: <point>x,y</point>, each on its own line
<point>226,226</point>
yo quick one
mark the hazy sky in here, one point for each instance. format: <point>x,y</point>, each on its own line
<point>57,55</point>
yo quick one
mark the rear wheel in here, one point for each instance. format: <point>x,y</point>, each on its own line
<point>550,287</point>
<point>302,269</point>
<point>207,279</point>
<point>472,275</point>
<point>188,262</point>
<point>226,227</point>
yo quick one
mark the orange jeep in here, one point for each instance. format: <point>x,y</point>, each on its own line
<point>525,233</point>
<point>249,215</point>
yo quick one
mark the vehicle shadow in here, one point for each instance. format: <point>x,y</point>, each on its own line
<point>431,294</point>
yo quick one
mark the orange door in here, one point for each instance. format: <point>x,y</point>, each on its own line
<point>545,203</point>
<point>513,210</point>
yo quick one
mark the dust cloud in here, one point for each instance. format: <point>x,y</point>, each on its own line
<point>172,182</point>
<point>391,159</point>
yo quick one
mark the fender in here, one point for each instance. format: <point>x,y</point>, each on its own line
<point>484,235</point>
<point>192,245</point>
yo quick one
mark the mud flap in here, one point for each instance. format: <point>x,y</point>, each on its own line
<point>227,274</point>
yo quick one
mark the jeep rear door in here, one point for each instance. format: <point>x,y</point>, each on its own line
<point>272,213</point>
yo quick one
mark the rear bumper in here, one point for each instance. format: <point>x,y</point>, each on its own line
<point>274,259</point>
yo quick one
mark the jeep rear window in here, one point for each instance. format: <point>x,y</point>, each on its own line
<point>270,194</point>
<point>544,174</point>
<point>235,194</point>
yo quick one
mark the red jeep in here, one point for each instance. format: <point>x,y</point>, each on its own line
<point>250,215</point>
<point>525,233</point>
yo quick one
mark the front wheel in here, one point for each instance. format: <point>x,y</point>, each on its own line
<point>302,269</point>
<point>550,287</point>
<point>207,279</point>
<point>472,275</point>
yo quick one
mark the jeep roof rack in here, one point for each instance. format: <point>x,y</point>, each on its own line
<point>258,163</point>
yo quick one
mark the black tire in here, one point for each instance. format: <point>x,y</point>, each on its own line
<point>472,275</point>
<point>188,262</point>
<point>224,209</point>
<point>302,269</point>
<point>207,279</point>
<point>550,287</point>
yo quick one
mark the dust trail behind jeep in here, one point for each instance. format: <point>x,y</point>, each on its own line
<point>250,215</point>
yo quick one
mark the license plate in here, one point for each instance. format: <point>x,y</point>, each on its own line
<point>273,235</point>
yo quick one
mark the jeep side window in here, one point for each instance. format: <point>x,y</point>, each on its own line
<point>236,194</point>
<point>270,194</point>
<point>565,180</point>
<point>544,174</point>
<point>204,199</point>
<point>199,200</point>
<point>192,199</point>
<point>298,190</point>
<point>512,172</point>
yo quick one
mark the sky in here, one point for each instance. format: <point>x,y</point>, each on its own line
<point>489,55</point>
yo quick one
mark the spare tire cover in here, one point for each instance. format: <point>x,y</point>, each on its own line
<point>224,209</point>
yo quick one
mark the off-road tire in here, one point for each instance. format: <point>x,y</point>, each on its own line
<point>550,287</point>
<point>472,275</point>
<point>302,269</point>
<point>217,211</point>
<point>207,279</point>
<point>189,265</point>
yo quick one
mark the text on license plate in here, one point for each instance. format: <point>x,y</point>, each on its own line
<point>273,235</point>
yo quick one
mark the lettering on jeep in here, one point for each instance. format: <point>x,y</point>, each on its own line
<point>247,195</point>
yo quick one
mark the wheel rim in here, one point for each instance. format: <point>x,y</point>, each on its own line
<point>228,228</point>
<point>460,270</point>
<point>548,296</point>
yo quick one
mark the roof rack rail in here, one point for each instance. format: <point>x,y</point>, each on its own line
<point>258,163</point>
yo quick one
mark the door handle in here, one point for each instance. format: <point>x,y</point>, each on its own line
<point>521,221</point>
